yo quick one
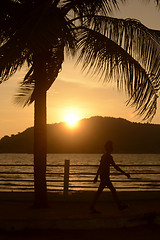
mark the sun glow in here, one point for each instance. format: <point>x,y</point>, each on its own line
<point>72,118</point>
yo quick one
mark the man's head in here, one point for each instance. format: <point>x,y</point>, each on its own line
<point>108,146</point>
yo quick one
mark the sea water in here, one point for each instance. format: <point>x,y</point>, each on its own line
<point>144,171</point>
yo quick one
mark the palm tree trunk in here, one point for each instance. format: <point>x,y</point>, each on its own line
<point>40,139</point>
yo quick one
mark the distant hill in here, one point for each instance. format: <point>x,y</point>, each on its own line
<point>90,137</point>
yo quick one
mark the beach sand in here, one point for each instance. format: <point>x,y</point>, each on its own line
<point>69,218</point>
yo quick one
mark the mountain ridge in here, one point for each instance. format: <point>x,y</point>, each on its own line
<point>89,137</point>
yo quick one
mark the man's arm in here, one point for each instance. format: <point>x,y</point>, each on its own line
<point>120,170</point>
<point>96,177</point>
<point>98,171</point>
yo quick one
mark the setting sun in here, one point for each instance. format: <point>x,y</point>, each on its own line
<point>72,117</point>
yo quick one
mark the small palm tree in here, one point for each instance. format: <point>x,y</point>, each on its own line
<point>38,32</point>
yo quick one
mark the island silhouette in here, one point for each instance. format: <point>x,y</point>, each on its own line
<point>89,137</point>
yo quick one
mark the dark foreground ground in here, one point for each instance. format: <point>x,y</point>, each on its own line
<point>133,233</point>
<point>69,218</point>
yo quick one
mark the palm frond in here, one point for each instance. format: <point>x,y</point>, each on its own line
<point>45,29</point>
<point>12,58</point>
<point>8,19</point>
<point>142,43</point>
<point>24,95</point>
<point>24,44</point>
<point>157,2</point>
<point>53,60</point>
<point>100,55</point>
<point>91,7</point>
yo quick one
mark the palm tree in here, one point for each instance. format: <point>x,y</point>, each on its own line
<point>36,33</point>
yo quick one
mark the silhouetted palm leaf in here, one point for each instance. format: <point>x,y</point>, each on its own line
<point>122,49</point>
<point>100,55</point>
<point>139,41</point>
<point>89,8</point>
<point>53,62</point>
<point>24,45</point>
<point>157,2</point>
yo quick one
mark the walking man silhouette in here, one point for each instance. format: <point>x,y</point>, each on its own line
<point>104,172</point>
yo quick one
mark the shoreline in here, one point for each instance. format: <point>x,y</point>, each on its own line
<point>81,195</point>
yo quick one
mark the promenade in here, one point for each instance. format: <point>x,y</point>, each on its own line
<point>70,216</point>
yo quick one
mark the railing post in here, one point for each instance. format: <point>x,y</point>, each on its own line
<point>66,177</point>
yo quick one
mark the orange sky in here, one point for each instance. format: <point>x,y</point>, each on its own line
<point>74,91</point>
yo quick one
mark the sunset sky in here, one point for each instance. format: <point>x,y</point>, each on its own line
<point>73,91</point>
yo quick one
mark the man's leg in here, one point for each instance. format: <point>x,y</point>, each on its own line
<point>114,193</point>
<point>98,193</point>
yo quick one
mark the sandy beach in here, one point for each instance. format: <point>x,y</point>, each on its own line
<point>71,218</point>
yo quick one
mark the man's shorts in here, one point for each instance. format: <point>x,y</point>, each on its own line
<point>105,181</point>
